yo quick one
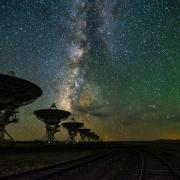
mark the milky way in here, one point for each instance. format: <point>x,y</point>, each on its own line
<point>114,63</point>
<point>74,76</point>
<point>89,19</point>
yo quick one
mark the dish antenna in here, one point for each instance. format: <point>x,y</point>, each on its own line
<point>83,133</point>
<point>51,117</point>
<point>72,127</point>
<point>14,92</point>
<point>92,137</point>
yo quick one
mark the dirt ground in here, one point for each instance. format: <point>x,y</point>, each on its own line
<point>13,163</point>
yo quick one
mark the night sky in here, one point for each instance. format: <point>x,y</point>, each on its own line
<point>115,64</point>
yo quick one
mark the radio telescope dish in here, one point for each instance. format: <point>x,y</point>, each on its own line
<point>72,127</point>
<point>92,137</point>
<point>51,117</point>
<point>83,133</point>
<point>14,92</point>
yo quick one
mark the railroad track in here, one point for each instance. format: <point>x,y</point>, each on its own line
<point>131,168</point>
<point>92,167</point>
<point>117,164</point>
<point>104,168</point>
<point>172,160</point>
<point>50,171</point>
<point>158,167</point>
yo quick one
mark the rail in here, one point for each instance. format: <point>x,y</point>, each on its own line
<point>55,169</point>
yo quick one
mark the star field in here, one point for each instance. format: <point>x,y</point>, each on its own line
<point>114,64</point>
